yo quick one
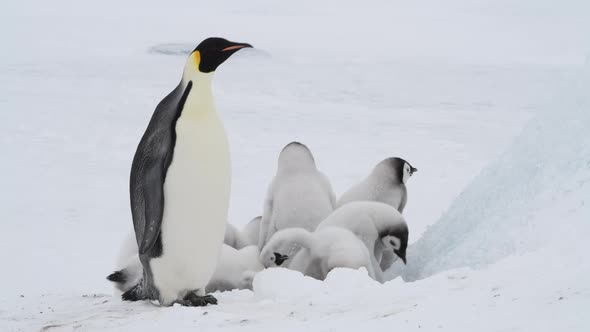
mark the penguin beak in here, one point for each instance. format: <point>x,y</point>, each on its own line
<point>280,259</point>
<point>236,47</point>
<point>414,170</point>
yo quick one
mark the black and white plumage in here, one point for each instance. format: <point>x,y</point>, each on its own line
<point>386,183</point>
<point>298,196</point>
<point>379,226</point>
<point>235,268</point>
<point>128,269</point>
<point>179,186</point>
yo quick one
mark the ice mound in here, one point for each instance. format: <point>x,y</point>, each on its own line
<point>536,194</point>
<point>288,286</point>
<point>284,285</point>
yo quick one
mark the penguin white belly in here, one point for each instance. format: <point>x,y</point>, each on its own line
<point>196,194</point>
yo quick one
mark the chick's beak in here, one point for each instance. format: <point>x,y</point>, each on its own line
<point>280,259</point>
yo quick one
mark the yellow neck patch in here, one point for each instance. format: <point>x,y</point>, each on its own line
<point>196,57</point>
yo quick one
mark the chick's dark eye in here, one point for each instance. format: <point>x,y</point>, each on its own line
<point>391,242</point>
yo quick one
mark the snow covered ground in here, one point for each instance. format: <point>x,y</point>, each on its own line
<point>488,99</point>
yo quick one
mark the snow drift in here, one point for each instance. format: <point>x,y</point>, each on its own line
<point>535,195</point>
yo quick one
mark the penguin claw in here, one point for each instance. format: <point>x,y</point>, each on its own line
<point>199,301</point>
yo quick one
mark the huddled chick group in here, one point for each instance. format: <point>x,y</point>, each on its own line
<point>304,228</point>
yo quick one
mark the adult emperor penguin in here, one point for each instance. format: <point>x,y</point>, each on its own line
<point>180,186</point>
<point>386,184</point>
<point>298,196</point>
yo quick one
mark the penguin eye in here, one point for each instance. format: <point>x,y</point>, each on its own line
<point>391,242</point>
<point>272,258</point>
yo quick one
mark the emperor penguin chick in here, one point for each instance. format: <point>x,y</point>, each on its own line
<point>233,237</point>
<point>251,232</point>
<point>128,269</point>
<point>298,196</point>
<point>325,249</point>
<point>379,226</point>
<point>247,236</point>
<point>386,184</point>
<point>236,269</point>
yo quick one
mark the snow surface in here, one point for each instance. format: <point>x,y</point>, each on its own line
<point>446,85</point>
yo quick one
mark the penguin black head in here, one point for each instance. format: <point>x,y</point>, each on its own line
<point>401,253</point>
<point>213,51</point>
<point>401,168</point>
<point>397,239</point>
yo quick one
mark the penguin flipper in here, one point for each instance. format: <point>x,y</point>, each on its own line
<point>150,164</point>
<point>154,209</point>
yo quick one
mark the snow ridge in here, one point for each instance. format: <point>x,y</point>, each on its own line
<point>534,195</point>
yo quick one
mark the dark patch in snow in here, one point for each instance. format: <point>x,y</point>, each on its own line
<point>171,49</point>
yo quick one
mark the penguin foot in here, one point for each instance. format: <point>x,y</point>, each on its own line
<point>199,301</point>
